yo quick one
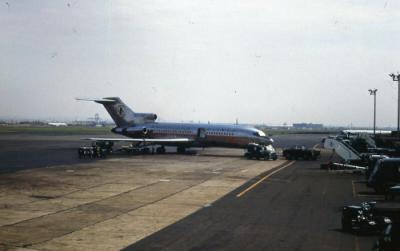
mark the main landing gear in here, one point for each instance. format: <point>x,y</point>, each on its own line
<point>160,150</point>
<point>181,149</point>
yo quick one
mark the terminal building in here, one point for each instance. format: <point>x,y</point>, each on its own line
<point>308,126</point>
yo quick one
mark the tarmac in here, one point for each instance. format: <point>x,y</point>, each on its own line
<point>51,200</point>
<point>297,208</point>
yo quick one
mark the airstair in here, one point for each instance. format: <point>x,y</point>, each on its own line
<point>370,141</point>
<point>342,148</point>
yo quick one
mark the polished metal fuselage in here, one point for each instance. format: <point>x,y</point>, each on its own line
<point>200,135</point>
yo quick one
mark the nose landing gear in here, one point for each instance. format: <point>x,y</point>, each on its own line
<point>160,150</point>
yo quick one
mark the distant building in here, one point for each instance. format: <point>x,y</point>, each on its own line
<point>307,126</point>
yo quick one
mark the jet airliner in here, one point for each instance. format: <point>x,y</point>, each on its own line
<point>142,128</point>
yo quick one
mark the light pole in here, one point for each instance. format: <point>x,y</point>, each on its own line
<point>397,78</point>
<point>373,92</point>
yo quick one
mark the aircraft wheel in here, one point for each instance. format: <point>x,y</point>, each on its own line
<point>160,150</point>
<point>346,224</point>
<point>181,149</point>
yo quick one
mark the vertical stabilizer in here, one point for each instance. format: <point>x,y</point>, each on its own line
<point>121,114</point>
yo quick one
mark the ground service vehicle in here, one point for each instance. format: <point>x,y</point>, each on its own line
<point>300,152</point>
<point>105,145</point>
<point>99,149</point>
<point>389,239</point>
<point>91,152</point>
<point>386,174</point>
<point>392,192</point>
<point>362,218</point>
<point>260,152</point>
<point>372,159</point>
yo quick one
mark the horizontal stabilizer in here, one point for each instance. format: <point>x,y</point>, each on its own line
<point>97,100</point>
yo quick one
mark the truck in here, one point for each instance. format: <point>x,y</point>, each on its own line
<point>258,152</point>
<point>385,174</point>
<point>389,239</point>
<point>364,218</point>
<point>300,152</point>
<point>98,149</point>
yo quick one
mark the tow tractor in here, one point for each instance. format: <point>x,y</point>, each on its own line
<point>98,149</point>
<point>364,218</point>
<point>300,152</point>
<point>260,152</point>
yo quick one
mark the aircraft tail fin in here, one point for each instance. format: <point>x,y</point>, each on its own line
<point>121,114</point>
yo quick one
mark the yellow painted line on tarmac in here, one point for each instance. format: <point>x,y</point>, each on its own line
<point>262,179</point>
<point>356,245</point>
<point>354,189</point>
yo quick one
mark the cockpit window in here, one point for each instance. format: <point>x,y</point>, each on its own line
<point>259,134</point>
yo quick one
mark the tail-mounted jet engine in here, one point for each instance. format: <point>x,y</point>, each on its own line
<point>145,117</point>
<point>137,132</point>
<point>146,132</point>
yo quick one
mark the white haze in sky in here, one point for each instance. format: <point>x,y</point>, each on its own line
<point>267,62</point>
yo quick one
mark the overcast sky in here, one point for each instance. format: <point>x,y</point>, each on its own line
<point>265,61</point>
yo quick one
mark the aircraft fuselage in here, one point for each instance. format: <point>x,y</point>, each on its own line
<point>201,135</point>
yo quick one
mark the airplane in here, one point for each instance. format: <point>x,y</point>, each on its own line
<point>57,124</point>
<point>356,132</point>
<point>142,128</point>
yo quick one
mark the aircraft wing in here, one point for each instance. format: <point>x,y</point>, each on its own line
<point>170,140</point>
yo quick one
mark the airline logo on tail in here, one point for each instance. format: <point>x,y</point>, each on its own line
<point>122,115</point>
<point>121,110</point>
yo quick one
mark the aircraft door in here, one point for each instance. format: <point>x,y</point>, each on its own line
<point>201,133</point>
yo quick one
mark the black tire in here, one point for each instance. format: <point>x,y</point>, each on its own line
<point>160,150</point>
<point>379,189</point>
<point>376,246</point>
<point>346,224</point>
<point>181,150</point>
